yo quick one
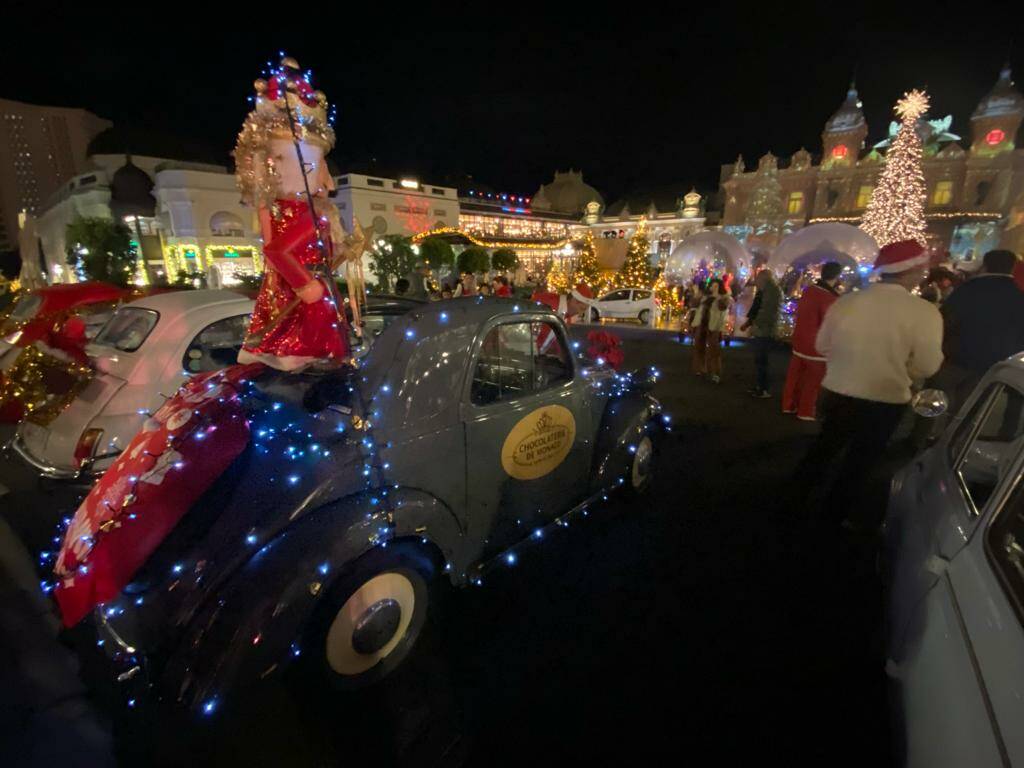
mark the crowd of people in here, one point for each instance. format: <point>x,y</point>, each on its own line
<point>859,355</point>
<point>868,351</point>
<point>418,285</point>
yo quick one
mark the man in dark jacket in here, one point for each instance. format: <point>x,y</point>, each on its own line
<point>762,319</point>
<point>983,322</point>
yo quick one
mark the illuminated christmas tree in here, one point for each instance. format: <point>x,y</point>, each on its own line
<point>587,270</point>
<point>558,280</point>
<point>896,210</point>
<point>667,294</point>
<point>636,269</point>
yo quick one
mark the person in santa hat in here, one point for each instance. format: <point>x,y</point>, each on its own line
<point>569,306</point>
<point>878,343</point>
<point>807,365</point>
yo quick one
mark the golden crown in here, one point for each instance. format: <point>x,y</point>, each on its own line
<point>287,107</point>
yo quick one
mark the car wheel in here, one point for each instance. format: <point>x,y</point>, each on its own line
<point>371,620</point>
<point>642,468</point>
<point>644,316</point>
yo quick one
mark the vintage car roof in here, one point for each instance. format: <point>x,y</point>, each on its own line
<point>1013,368</point>
<point>185,301</point>
<point>430,318</point>
<point>477,309</point>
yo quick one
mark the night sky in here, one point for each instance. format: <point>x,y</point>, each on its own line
<point>638,98</point>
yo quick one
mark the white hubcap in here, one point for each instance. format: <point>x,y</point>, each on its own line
<point>383,589</point>
<point>642,461</point>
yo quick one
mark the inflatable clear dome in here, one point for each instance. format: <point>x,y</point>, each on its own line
<point>706,253</point>
<point>818,243</point>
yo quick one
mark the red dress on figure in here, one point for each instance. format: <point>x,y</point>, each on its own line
<point>310,331</point>
<point>807,365</point>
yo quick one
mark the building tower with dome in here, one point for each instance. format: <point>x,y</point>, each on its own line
<point>975,195</point>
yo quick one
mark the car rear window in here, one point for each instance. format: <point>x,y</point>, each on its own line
<point>128,328</point>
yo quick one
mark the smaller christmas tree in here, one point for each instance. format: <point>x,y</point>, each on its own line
<point>896,210</point>
<point>636,269</point>
<point>667,295</point>
<point>587,270</point>
<point>558,280</point>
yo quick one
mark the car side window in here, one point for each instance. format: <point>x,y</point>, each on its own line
<point>551,364</point>
<point>617,296</point>
<point>504,365</point>
<point>216,346</point>
<point>641,295</point>
<point>1004,543</point>
<point>518,359</point>
<point>994,438</point>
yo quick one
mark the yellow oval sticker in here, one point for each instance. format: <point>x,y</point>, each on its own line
<point>539,442</point>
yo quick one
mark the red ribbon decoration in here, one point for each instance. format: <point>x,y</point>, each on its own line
<point>179,453</point>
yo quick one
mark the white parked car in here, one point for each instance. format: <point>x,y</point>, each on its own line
<point>146,350</point>
<point>625,303</point>
<point>955,553</point>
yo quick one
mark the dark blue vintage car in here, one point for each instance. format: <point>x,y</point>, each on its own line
<point>468,428</point>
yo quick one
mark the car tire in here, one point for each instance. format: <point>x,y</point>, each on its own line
<point>370,621</point>
<point>641,468</point>
<point>644,316</point>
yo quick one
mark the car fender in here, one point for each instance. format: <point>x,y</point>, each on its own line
<point>624,422</point>
<point>252,628</point>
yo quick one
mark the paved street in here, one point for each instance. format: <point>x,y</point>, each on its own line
<point>700,622</point>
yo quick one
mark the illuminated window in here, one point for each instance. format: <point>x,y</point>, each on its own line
<point>943,194</point>
<point>993,137</point>
<point>864,196</point>
<point>839,151</point>
<point>796,202</point>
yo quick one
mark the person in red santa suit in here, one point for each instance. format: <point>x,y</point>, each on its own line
<point>570,307</point>
<point>279,155</point>
<point>879,343</point>
<point>807,365</point>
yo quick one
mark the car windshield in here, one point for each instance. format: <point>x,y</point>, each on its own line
<point>128,328</point>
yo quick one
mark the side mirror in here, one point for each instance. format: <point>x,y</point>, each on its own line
<point>930,403</point>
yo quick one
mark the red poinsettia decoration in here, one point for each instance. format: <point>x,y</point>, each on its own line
<point>605,346</point>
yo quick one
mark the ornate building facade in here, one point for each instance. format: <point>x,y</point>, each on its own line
<point>972,193</point>
<point>183,217</point>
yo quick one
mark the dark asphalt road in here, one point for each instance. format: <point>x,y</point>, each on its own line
<point>698,624</point>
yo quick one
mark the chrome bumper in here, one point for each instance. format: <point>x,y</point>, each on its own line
<point>44,469</point>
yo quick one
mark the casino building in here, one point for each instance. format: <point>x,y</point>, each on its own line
<point>975,193</point>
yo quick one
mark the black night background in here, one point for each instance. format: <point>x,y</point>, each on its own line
<point>639,98</point>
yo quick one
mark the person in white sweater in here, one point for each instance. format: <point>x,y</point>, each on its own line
<point>879,343</point>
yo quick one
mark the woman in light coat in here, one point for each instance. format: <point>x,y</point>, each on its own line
<point>709,324</point>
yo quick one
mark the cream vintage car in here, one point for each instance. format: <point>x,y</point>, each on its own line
<point>148,347</point>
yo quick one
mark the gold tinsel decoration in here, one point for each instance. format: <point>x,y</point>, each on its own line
<point>43,383</point>
<point>254,162</point>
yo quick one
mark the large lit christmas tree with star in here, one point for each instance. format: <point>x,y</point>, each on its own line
<point>896,210</point>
